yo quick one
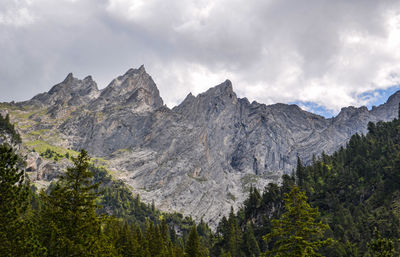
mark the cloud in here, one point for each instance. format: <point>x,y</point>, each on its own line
<point>328,53</point>
<point>16,13</point>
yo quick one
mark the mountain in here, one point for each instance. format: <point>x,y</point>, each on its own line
<point>356,190</point>
<point>199,158</point>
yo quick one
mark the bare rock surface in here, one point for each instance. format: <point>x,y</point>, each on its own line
<point>200,157</point>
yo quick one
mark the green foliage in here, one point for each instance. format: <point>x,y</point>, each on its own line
<point>8,128</point>
<point>88,213</point>
<point>297,233</point>
<point>51,154</point>
<point>16,237</point>
<point>41,147</point>
<point>70,224</point>
<point>381,247</point>
<point>192,247</point>
<point>354,189</point>
<point>129,240</point>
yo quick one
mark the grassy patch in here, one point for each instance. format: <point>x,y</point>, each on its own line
<point>8,106</point>
<point>39,132</point>
<point>24,126</point>
<point>21,114</point>
<point>41,147</point>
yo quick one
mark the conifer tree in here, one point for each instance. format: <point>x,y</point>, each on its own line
<point>234,236</point>
<point>381,247</point>
<point>192,247</point>
<point>297,233</point>
<point>300,172</point>
<point>16,231</point>
<point>250,245</point>
<point>71,226</point>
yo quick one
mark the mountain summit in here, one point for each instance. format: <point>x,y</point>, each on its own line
<point>135,89</point>
<point>199,158</point>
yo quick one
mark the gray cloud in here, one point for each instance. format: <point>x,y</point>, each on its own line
<point>325,52</point>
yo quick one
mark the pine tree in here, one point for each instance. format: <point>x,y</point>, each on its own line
<point>297,233</point>
<point>250,245</point>
<point>192,247</point>
<point>300,172</point>
<point>381,247</point>
<point>71,226</point>
<point>16,231</point>
<point>234,236</point>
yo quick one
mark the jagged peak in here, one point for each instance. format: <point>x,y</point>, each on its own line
<point>71,82</point>
<point>69,78</point>
<point>132,71</point>
<point>393,97</point>
<point>189,96</point>
<point>223,89</point>
<point>353,109</point>
<point>350,111</point>
<point>88,78</point>
<point>126,88</point>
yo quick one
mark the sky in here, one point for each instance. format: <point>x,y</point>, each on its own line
<point>319,54</point>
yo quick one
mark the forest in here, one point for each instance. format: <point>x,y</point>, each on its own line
<point>344,204</point>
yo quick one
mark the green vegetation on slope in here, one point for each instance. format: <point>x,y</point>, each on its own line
<point>353,197</point>
<point>356,190</point>
<point>7,128</point>
<point>86,213</point>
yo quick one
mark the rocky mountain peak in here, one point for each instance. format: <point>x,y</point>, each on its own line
<point>133,71</point>
<point>70,92</point>
<point>208,104</point>
<point>135,89</point>
<point>201,157</point>
<point>222,90</point>
<point>88,78</point>
<point>389,109</point>
<point>394,98</point>
<point>69,78</point>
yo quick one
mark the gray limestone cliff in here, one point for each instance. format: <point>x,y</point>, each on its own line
<point>200,157</point>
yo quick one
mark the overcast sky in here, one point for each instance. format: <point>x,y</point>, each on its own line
<point>320,54</point>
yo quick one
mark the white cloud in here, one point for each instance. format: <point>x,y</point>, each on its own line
<point>325,52</point>
<point>16,13</point>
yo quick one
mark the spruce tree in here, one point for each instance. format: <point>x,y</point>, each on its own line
<point>297,233</point>
<point>16,231</point>
<point>381,247</point>
<point>71,226</point>
<point>250,245</point>
<point>192,247</point>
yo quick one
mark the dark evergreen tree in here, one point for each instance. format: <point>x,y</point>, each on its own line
<point>7,128</point>
<point>381,247</point>
<point>297,233</point>
<point>16,231</point>
<point>70,224</point>
<point>300,172</point>
<point>250,246</point>
<point>192,246</point>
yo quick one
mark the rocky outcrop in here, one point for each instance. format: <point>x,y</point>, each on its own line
<point>135,90</point>
<point>33,161</point>
<point>72,92</point>
<point>200,157</point>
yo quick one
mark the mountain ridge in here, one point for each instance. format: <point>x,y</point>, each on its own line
<point>200,157</point>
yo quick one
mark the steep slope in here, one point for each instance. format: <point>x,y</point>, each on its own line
<point>356,189</point>
<point>198,158</point>
<point>71,92</point>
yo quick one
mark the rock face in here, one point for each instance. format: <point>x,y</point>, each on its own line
<point>200,157</point>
